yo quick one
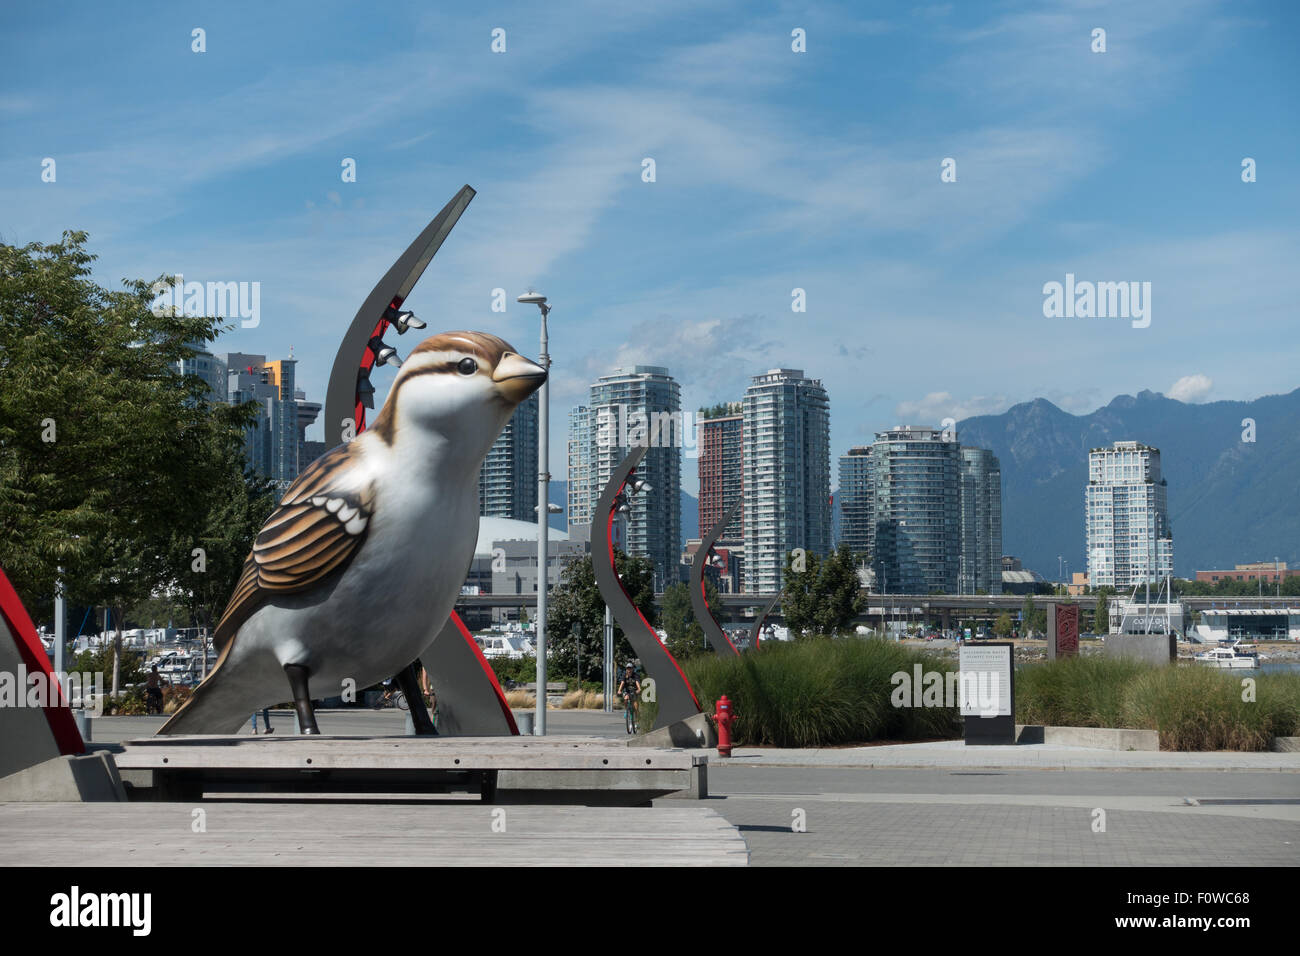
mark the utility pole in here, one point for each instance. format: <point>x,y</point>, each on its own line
<point>543,498</point>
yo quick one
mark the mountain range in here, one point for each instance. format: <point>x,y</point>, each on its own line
<point>1231,499</point>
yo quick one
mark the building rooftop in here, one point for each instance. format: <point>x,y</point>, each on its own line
<point>508,529</point>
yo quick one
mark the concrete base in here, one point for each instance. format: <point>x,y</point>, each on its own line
<point>1152,648</point>
<point>1285,745</point>
<point>1098,738</point>
<point>600,787</point>
<point>82,779</point>
<point>696,731</point>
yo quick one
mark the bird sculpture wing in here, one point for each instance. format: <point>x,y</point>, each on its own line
<point>316,529</point>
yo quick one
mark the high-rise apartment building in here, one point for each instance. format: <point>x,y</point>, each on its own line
<point>786,474</point>
<point>1126,507</point>
<point>721,468</point>
<point>927,512</point>
<point>915,518</point>
<point>980,568</point>
<point>271,443</point>
<point>633,406</point>
<point>855,500</point>
<point>582,475</point>
<point>209,367</point>
<point>507,483</point>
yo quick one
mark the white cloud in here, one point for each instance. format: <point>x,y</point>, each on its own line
<point>1191,388</point>
<point>937,406</point>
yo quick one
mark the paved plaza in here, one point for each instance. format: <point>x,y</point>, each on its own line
<point>942,803</point>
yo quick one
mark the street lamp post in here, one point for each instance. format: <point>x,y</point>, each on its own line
<point>543,496</point>
<point>60,631</point>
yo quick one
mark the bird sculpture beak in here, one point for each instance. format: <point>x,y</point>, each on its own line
<point>517,377</point>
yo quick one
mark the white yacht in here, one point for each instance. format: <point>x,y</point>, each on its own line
<point>1233,656</point>
<point>503,645</point>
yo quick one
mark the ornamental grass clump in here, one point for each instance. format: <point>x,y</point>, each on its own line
<point>820,692</point>
<point>1075,691</point>
<point>1199,708</point>
<point>1190,706</point>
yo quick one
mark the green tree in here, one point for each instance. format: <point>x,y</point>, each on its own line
<point>825,596</point>
<point>1101,613</point>
<point>107,445</point>
<point>677,617</point>
<point>576,601</point>
<point>1027,617</point>
<point>1002,626</point>
<point>130,664</point>
<point>206,555</point>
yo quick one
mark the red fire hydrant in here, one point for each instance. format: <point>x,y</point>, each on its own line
<point>724,718</point>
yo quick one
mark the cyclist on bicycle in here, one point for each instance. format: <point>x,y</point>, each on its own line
<point>153,695</point>
<point>629,688</point>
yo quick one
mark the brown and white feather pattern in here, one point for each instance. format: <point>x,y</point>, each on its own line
<point>317,528</point>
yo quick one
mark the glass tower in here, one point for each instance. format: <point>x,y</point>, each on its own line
<point>855,500</point>
<point>628,407</point>
<point>787,474</point>
<point>507,484</point>
<point>981,522</point>
<point>1126,507</point>
<point>915,511</point>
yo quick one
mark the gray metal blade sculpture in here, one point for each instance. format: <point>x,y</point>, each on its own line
<point>672,690</point>
<point>758,623</point>
<point>352,364</point>
<point>465,683</point>
<point>468,704</point>
<point>718,639</point>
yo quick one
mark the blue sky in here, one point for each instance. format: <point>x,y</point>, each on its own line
<point>774,170</point>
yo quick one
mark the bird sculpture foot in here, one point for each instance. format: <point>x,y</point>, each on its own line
<point>408,678</point>
<point>297,675</point>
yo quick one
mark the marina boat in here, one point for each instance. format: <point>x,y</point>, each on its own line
<point>514,645</point>
<point>1232,656</point>
<point>182,666</point>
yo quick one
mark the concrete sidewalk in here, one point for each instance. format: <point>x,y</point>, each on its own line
<point>954,754</point>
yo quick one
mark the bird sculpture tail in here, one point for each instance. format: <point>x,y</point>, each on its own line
<point>223,706</point>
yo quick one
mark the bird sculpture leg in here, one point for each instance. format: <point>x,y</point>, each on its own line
<point>408,679</point>
<point>297,675</point>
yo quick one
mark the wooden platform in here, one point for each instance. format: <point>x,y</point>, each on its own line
<point>590,770</point>
<point>329,834</point>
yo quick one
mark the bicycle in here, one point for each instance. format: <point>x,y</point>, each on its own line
<point>393,697</point>
<point>629,713</point>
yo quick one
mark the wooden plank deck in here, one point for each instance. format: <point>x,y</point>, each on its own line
<point>329,834</point>
<point>397,753</point>
<point>524,769</point>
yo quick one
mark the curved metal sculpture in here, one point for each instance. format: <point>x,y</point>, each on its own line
<point>32,734</point>
<point>465,683</point>
<point>758,624</point>
<point>672,690</point>
<point>468,705</point>
<point>717,637</point>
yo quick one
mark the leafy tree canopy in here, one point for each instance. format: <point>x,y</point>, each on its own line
<point>575,615</point>
<point>825,595</point>
<point>115,466</point>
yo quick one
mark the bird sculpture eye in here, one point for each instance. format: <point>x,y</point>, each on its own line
<point>467,366</point>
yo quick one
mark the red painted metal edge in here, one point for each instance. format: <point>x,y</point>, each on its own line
<point>32,652</point>
<point>487,669</point>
